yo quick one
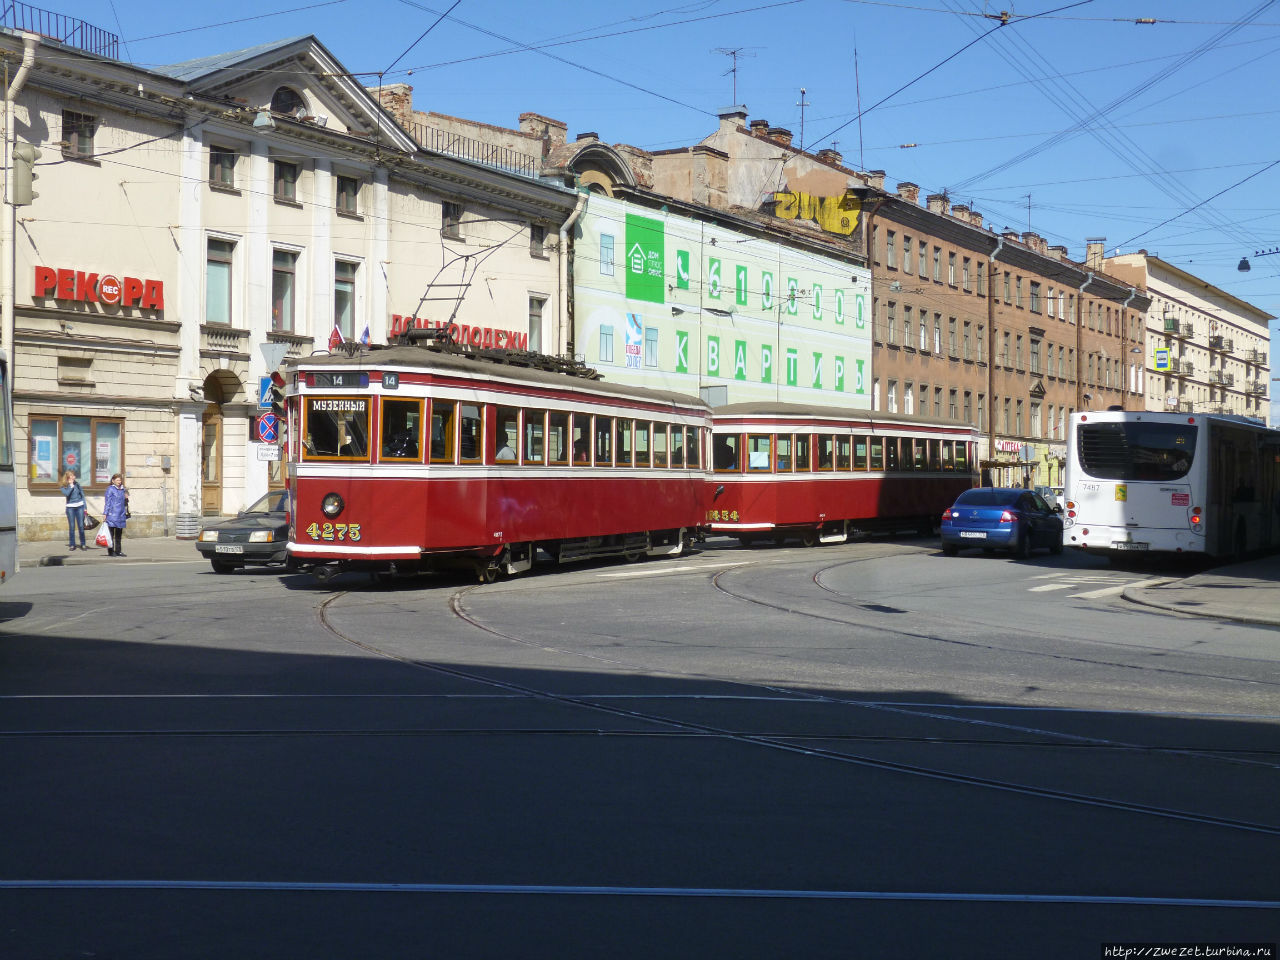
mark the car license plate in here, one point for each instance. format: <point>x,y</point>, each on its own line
<point>973,534</point>
<point>228,548</point>
<point>1127,545</point>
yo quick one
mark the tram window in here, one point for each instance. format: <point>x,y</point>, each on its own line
<point>844,446</point>
<point>948,455</point>
<point>802,451</point>
<point>918,454</point>
<point>469,432</point>
<point>906,454</point>
<point>581,433</point>
<point>535,450</point>
<point>443,414</point>
<point>962,456</point>
<point>659,444</point>
<point>506,434</point>
<point>860,453</point>
<point>759,451</point>
<point>935,454</point>
<point>337,428</point>
<point>692,447</point>
<point>622,449</point>
<point>891,453</point>
<point>642,443</point>
<point>784,452</point>
<point>401,429</point>
<point>826,451</point>
<point>604,441</point>
<point>876,445</point>
<point>557,437</point>
<point>677,446</point>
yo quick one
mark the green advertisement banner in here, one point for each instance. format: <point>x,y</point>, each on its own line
<point>646,242</point>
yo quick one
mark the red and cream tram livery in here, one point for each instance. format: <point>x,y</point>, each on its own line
<point>416,457</point>
<point>783,471</point>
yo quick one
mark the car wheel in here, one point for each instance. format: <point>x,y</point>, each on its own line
<point>1055,546</point>
<point>1022,548</point>
<point>950,549</point>
<point>221,566</point>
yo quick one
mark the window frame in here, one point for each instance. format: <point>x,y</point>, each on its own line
<point>279,273</point>
<point>310,456</point>
<point>222,171</point>
<point>285,188</point>
<point>54,484</point>
<point>78,132</point>
<point>383,401</point>
<point>346,195</point>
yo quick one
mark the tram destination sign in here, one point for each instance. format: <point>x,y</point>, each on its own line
<point>338,378</point>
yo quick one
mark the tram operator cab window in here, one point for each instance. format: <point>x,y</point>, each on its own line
<point>401,429</point>
<point>692,447</point>
<point>336,428</point>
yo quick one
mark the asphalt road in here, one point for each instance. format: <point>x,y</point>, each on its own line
<point>864,750</point>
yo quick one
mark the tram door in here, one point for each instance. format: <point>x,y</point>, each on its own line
<point>211,461</point>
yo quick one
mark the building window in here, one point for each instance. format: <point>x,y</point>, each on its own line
<point>283,269</point>
<point>923,260</point>
<point>286,175</point>
<point>924,331</point>
<point>451,219</point>
<point>982,278</point>
<point>1004,350</point>
<point>222,167</point>
<point>982,412</point>
<point>348,195</point>
<point>965,283</point>
<point>1008,287</point>
<point>1007,408</point>
<point>606,344</point>
<point>937,401</point>
<point>906,253</point>
<point>907,326</point>
<point>1050,303</point>
<point>968,324</point>
<point>979,344</point>
<point>1018,421</point>
<point>344,297</point>
<point>1017,292</point>
<point>937,333</point>
<point>953,410</point>
<point>1035,419</point>
<point>891,396</point>
<point>90,447</point>
<point>937,264</point>
<point>951,269</point>
<point>968,406</point>
<point>1017,356</point>
<point>537,240</point>
<point>1035,355</point>
<point>650,346</point>
<point>908,397</point>
<point>951,336</point>
<point>891,321</point>
<point>891,250</point>
<point>606,255</point>
<point>1035,297</point>
<point>536,307</point>
<point>77,134</point>
<point>217,282</point>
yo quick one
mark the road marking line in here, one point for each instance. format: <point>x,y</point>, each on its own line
<point>1111,591</point>
<point>660,571</point>
<point>620,891</point>
<point>1052,586</point>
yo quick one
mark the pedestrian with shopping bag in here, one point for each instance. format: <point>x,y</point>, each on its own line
<point>116,513</point>
<point>75,509</point>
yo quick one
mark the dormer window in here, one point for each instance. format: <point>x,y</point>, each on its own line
<point>287,100</point>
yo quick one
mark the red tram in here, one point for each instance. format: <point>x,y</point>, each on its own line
<point>418,457</point>
<point>782,470</point>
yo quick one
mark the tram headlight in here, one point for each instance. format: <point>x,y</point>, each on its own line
<point>331,505</point>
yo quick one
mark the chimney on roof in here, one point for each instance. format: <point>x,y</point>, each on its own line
<point>760,128</point>
<point>875,178</point>
<point>938,203</point>
<point>975,218</point>
<point>827,155</point>
<point>733,118</point>
<point>588,135</point>
<point>780,135</point>
<point>909,191</point>
<point>961,212</point>
<point>553,132</point>
<point>1058,252</point>
<point>397,100</point>
<point>1094,251</point>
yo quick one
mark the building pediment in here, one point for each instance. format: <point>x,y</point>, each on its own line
<point>1037,389</point>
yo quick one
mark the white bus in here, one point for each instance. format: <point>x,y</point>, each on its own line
<point>8,493</point>
<point>1171,482</point>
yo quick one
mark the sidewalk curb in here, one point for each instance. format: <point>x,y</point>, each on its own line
<point>1136,595</point>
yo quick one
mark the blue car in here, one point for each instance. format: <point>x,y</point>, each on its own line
<point>1001,518</point>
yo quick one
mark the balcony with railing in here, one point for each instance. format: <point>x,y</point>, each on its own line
<point>1221,343</point>
<point>472,150</point>
<point>63,29</point>
<point>1256,388</point>
<point>1255,356</point>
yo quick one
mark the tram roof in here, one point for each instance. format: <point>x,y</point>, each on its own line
<point>804,412</point>
<point>498,365</point>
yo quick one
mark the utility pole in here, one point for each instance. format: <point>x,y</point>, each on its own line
<point>802,104</point>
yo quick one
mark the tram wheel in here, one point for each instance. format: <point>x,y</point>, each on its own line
<point>809,538</point>
<point>747,541</point>
<point>487,572</point>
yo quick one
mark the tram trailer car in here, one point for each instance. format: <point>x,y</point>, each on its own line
<point>784,471</point>
<point>418,457</point>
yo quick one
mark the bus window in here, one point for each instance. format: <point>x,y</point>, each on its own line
<point>469,433</point>
<point>401,429</point>
<point>623,448</point>
<point>693,447</point>
<point>860,453</point>
<point>1159,452</point>
<point>877,453</point>
<point>659,444</point>
<point>802,451</point>
<point>642,443</point>
<point>784,452</point>
<point>557,437</point>
<point>506,434</point>
<point>759,451</point>
<point>442,429</point>
<point>336,428</point>
<point>604,441</point>
<point>725,448</point>
<point>677,446</point>
<point>825,444</point>
<point>581,433</point>
<point>534,446</point>
<point>844,459</point>
<point>891,453</point>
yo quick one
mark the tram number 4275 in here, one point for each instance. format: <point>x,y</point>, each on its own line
<point>334,531</point>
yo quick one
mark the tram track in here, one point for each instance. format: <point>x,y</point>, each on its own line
<point>800,745</point>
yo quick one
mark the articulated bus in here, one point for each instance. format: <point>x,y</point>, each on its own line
<point>8,493</point>
<point>1171,482</point>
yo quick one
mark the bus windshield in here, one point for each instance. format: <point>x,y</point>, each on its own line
<point>1135,450</point>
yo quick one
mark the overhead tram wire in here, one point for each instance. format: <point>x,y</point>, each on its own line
<point>435,24</point>
<point>1004,22</point>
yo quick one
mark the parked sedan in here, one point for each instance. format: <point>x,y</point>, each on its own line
<point>257,534</point>
<point>1001,518</point>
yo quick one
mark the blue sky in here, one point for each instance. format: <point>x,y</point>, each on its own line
<point>1072,118</point>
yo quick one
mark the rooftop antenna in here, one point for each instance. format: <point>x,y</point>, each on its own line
<point>802,104</point>
<point>735,53</point>
<point>1028,213</point>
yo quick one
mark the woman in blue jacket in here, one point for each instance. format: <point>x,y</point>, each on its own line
<point>75,509</point>
<point>116,513</point>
